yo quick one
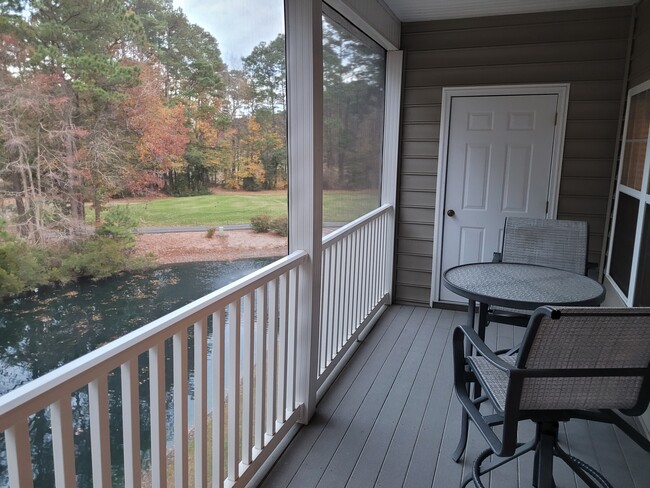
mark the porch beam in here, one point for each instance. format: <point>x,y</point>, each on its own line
<point>305,143</point>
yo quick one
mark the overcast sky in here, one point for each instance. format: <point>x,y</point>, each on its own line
<point>238,25</point>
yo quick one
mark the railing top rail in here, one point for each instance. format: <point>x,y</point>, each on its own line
<point>41,392</point>
<point>348,229</point>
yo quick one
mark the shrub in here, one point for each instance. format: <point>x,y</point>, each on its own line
<point>20,264</point>
<point>261,223</point>
<point>100,257</point>
<point>280,226</point>
<point>211,232</point>
<point>118,224</point>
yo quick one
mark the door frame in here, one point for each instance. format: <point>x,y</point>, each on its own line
<point>448,93</point>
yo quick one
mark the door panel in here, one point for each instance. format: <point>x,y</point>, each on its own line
<point>516,187</point>
<point>498,164</point>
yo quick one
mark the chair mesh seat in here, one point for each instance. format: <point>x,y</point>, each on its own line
<point>493,380</point>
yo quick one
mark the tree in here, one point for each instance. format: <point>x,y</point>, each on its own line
<point>353,109</point>
<point>265,69</point>
<point>161,131</point>
<point>80,47</point>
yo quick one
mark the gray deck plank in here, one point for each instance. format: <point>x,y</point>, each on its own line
<point>369,354</point>
<point>425,455</point>
<point>367,439</point>
<point>637,460</point>
<point>610,457</point>
<point>398,456</point>
<point>318,460</point>
<point>348,437</point>
<point>404,393</point>
<point>391,419</point>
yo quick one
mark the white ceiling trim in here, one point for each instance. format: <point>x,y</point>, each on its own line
<point>419,10</point>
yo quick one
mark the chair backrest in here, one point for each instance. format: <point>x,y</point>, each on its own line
<point>560,244</point>
<point>611,346</point>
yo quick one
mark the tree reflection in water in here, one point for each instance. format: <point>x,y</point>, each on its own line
<point>41,332</point>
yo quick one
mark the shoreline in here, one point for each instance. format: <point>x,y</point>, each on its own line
<point>191,247</point>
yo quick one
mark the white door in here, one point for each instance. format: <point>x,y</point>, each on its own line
<point>499,159</point>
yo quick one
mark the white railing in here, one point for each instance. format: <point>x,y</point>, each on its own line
<point>244,403</point>
<point>355,284</point>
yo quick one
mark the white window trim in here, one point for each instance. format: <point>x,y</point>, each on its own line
<point>559,89</point>
<point>641,196</point>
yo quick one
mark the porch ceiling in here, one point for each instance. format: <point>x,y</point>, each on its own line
<point>419,10</point>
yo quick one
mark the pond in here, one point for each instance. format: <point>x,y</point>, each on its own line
<point>41,332</point>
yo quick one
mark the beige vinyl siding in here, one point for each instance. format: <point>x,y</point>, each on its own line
<point>586,48</point>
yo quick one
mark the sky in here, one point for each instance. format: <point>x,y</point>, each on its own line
<point>238,25</point>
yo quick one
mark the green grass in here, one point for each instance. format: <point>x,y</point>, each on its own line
<point>239,207</point>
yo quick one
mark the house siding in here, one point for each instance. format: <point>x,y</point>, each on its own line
<point>586,48</point>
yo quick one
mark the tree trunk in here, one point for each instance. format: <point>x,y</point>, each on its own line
<point>97,205</point>
<point>20,202</point>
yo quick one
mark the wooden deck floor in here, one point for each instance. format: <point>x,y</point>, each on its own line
<point>391,420</point>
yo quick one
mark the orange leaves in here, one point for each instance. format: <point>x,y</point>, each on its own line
<point>162,130</point>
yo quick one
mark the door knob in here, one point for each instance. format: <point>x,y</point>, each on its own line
<point>451,213</point>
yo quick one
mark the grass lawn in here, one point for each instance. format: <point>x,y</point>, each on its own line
<point>239,207</point>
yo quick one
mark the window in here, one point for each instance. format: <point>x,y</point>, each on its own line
<point>629,265</point>
<point>354,72</point>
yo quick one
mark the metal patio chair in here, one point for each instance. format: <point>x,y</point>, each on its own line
<point>584,363</point>
<point>560,244</point>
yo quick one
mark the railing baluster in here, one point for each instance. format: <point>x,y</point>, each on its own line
<point>331,333</point>
<point>337,299</point>
<point>157,409</point>
<point>323,326</point>
<point>292,314</point>
<point>180,408</point>
<point>247,378</point>
<point>375,264</point>
<point>63,443</point>
<point>271,403</point>
<point>234,347</point>
<point>354,307</point>
<point>359,291</point>
<point>100,443</point>
<point>131,423</point>
<point>382,254</point>
<point>200,404</point>
<point>282,348</point>
<point>345,274</point>
<point>218,388</point>
<point>19,460</point>
<point>260,367</point>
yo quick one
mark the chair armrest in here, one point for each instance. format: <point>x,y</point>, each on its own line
<point>496,257</point>
<point>475,340</point>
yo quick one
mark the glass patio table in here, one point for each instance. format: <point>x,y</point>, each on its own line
<point>519,286</point>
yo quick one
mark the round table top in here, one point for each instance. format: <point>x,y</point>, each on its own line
<point>523,286</point>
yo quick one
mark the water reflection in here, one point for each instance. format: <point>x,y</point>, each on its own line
<point>42,332</point>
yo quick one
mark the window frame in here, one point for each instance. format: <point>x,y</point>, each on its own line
<point>642,196</point>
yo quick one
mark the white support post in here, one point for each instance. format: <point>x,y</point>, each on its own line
<point>394,60</point>
<point>305,116</point>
